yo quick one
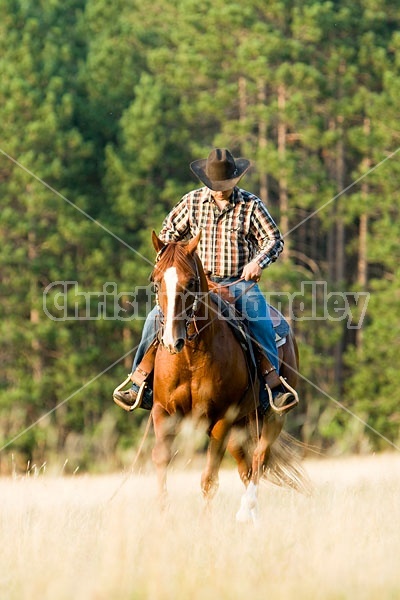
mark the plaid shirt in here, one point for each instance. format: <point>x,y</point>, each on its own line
<point>231,238</point>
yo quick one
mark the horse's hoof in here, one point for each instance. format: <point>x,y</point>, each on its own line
<point>247,516</point>
<point>248,511</point>
<point>243,516</point>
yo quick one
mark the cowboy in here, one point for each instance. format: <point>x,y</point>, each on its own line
<point>239,239</point>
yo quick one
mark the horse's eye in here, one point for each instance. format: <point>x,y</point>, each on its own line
<point>190,284</point>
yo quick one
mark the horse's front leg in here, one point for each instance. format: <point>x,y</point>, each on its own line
<point>271,428</point>
<point>164,430</point>
<point>216,448</point>
<point>241,446</point>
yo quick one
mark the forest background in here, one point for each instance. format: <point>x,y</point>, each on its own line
<point>102,107</point>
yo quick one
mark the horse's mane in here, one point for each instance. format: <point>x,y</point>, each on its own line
<point>173,254</point>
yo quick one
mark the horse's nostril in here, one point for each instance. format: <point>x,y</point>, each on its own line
<point>179,344</point>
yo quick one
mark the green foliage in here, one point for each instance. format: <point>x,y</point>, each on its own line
<point>103,105</point>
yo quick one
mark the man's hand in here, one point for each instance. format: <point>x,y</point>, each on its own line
<point>252,271</point>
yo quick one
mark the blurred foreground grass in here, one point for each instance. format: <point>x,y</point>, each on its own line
<point>103,538</point>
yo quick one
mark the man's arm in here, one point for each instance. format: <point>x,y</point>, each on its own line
<point>266,235</point>
<point>176,224</point>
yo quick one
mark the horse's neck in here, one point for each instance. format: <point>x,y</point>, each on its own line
<point>206,313</point>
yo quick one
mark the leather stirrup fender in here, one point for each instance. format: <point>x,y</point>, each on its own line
<point>146,365</point>
<point>139,376</point>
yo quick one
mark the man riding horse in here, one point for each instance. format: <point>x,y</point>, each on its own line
<point>239,240</point>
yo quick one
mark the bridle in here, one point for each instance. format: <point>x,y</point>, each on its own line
<point>191,313</point>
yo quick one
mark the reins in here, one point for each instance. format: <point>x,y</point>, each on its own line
<point>228,285</point>
<point>249,370</point>
<point>192,319</point>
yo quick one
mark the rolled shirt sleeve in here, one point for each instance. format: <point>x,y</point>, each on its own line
<point>176,224</point>
<point>266,234</point>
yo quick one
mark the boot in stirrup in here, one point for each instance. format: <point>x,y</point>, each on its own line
<point>138,396</point>
<point>282,397</point>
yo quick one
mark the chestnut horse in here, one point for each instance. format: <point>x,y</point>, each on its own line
<point>201,370</point>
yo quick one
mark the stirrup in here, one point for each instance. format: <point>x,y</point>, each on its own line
<point>286,407</point>
<point>139,397</point>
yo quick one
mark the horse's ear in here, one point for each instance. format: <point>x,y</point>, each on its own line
<point>157,243</point>
<point>192,245</point>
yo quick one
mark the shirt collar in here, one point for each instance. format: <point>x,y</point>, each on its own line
<point>236,195</point>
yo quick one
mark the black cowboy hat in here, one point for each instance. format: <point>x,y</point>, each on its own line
<point>220,171</point>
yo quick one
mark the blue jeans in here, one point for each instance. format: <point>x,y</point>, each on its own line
<point>254,308</point>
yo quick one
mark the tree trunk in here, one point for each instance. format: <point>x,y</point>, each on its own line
<point>339,251</point>
<point>242,92</point>
<point>340,231</point>
<point>263,141</point>
<point>362,264</point>
<point>36,360</point>
<point>283,191</point>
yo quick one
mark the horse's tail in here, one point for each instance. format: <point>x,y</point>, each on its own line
<point>284,467</point>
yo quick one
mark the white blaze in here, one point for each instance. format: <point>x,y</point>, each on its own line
<point>171,279</point>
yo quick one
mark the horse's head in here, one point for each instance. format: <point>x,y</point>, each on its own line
<point>176,278</point>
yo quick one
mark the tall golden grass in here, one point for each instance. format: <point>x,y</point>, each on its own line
<point>103,537</point>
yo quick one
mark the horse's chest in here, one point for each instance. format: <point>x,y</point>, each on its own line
<point>204,395</point>
<point>193,381</point>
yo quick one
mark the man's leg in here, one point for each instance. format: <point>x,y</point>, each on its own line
<point>252,304</point>
<point>149,334</point>
<point>142,367</point>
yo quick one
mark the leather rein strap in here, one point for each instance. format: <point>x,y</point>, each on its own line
<point>219,289</point>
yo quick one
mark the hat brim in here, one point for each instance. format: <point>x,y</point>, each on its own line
<point>198,167</point>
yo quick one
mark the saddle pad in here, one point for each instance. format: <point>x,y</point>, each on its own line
<point>281,326</point>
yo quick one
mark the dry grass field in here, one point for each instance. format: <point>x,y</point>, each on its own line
<point>103,538</point>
